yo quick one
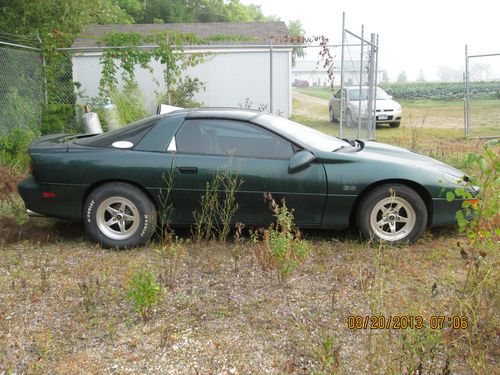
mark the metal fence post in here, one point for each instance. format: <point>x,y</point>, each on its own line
<point>375,92</point>
<point>467,94</point>
<point>372,106</point>
<point>271,109</point>
<point>341,123</point>
<point>360,79</point>
<point>45,89</point>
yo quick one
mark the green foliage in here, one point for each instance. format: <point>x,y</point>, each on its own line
<point>284,244</point>
<point>58,118</point>
<point>295,29</point>
<point>478,219</point>
<point>170,251</point>
<point>478,214</point>
<point>130,103</point>
<point>217,206</point>
<point>183,93</point>
<point>127,56</point>
<point>144,291</point>
<point>441,90</point>
<point>20,110</point>
<point>14,148</point>
<point>421,352</point>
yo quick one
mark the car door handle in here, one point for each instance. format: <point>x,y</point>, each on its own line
<point>187,170</point>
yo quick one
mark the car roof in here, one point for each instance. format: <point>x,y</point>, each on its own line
<point>223,113</point>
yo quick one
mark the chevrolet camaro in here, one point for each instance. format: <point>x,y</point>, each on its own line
<point>115,182</point>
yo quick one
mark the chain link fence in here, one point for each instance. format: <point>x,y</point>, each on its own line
<point>482,95</point>
<point>21,90</point>
<point>261,77</point>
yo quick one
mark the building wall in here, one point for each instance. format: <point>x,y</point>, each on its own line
<point>231,78</point>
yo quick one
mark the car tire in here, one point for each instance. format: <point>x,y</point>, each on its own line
<point>395,124</point>
<point>392,213</point>
<point>119,215</point>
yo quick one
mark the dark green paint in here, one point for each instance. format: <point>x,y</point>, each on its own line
<point>323,188</point>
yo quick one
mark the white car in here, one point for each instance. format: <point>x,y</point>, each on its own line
<point>388,111</point>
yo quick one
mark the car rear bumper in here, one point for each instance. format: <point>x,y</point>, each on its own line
<point>54,200</point>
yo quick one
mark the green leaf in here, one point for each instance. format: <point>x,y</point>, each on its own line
<point>450,196</point>
<point>483,164</point>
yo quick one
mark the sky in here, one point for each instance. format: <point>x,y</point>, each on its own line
<point>413,35</point>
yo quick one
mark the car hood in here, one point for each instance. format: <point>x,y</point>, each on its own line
<point>387,104</point>
<point>381,104</point>
<point>384,152</point>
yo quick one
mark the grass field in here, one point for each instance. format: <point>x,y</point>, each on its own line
<point>485,114</point>
<point>222,310</point>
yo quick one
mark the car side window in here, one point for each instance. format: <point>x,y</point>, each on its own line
<point>232,138</point>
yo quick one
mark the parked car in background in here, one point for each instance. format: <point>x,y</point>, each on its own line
<point>114,182</point>
<point>388,111</point>
<point>300,83</point>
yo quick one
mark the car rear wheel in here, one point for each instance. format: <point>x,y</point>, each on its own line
<point>392,213</point>
<point>119,215</point>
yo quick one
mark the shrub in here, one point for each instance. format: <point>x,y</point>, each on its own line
<point>217,206</point>
<point>14,148</point>
<point>130,103</point>
<point>144,291</point>
<point>182,95</point>
<point>285,248</point>
<point>58,118</point>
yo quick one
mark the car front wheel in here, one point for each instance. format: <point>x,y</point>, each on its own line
<point>119,215</point>
<point>392,213</point>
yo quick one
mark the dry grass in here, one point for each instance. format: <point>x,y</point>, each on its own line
<point>63,304</point>
<point>63,309</point>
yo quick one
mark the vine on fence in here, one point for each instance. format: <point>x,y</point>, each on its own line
<point>166,48</point>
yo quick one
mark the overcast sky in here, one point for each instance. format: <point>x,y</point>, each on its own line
<point>414,36</point>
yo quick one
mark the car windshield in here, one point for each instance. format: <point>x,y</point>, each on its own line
<point>354,94</point>
<point>302,133</point>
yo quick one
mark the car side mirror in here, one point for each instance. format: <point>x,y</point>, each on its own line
<point>390,96</point>
<point>300,161</point>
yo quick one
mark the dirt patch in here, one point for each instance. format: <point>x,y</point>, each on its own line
<point>38,231</point>
<point>310,107</point>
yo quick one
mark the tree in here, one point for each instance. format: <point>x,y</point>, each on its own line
<point>295,29</point>
<point>402,77</point>
<point>55,23</point>
<point>446,73</point>
<point>385,77</point>
<point>420,77</point>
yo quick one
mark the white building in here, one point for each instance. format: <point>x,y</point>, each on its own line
<point>317,75</point>
<point>234,73</point>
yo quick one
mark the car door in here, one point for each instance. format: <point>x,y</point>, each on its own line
<point>254,155</point>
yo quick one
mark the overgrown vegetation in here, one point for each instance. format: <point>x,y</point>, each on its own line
<point>213,218</point>
<point>130,102</point>
<point>219,293</point>
<point>283,250</point>
<point>144,291</point>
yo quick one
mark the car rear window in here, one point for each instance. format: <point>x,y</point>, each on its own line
<point>132,133</point>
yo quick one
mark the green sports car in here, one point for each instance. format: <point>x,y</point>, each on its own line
<point>115,182</point>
